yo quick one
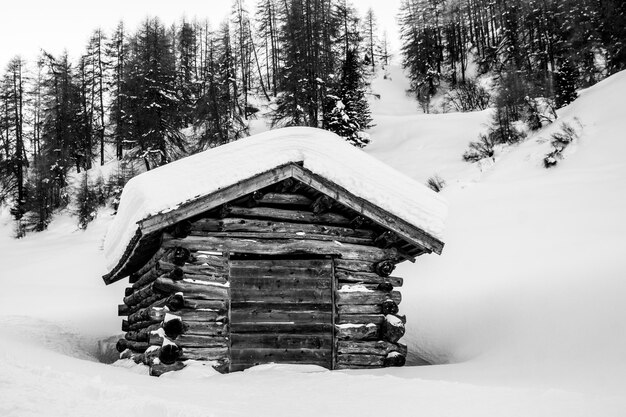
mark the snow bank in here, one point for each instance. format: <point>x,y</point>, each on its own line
<point>321,152</point>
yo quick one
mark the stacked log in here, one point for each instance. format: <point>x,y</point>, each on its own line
<point>177,310</point>
<point>367,327</point>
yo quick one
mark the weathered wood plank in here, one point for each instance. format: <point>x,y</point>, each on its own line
<point>357,332</point>
<point>284,235</point>
<point>219,305</point>
<point>192,340</point>
<point>245,327</point>
<point>289,215</point>
<point>230,224</point>
<point>202,269</point>
<point>360,319</point>
<point>369,297</point>
<point>296,317</point>
<point>283,247</point>
<point>367,278</point>
<point>319,268</point>
<point>353,265</point>
<point>265,307</point>
<point>378,347</point>
<point>359,309</point>
<point>205,291</point>
<point>316,296</point>
<point>204,353</point>
<point>288,199</point>
<point>287,283</point>
<point>258,356</point>
<point>281,341</point>
<point>203,328</point>
<point>156,314</point>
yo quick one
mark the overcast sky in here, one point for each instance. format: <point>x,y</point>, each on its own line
<point>26,26</point>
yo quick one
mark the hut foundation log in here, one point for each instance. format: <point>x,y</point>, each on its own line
<point>158,369</point>
<point>124,344</point>
<point>206,291</point>
<point>367,278</point>
<point>169,353</point>
<point>354,359</point>
<point>367,297</point>
<point>271,226</point>
<point>357,331</point>
<point>392,328</point>
<point>394,359</point>
<point>378,347</point>
<point>282,247</point>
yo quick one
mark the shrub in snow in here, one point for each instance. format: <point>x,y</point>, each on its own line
<point>467,96</point>
<point>436,183</point>
<point>560,140</point>
<point>481,149</point>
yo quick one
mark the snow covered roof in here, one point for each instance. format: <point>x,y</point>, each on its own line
<point>148,198</point>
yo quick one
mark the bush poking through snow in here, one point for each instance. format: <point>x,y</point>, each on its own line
<point>479,150</point>
<point>561,140</point>
<point>467,96</point>
<point>436,183</point>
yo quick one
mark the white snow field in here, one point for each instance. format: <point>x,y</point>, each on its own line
<point>524,311</point>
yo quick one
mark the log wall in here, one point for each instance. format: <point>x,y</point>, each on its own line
<point>341,312</point>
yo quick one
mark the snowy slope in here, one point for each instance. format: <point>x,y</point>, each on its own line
<point>525,308</point>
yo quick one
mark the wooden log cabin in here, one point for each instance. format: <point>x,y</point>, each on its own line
<point>287,262</point>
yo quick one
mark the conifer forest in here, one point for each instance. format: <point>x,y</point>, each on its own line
<point>152,94</point>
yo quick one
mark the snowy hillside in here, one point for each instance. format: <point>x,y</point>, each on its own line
<point>524,310</point>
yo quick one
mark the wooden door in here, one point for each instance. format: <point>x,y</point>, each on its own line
<point>281,311</point>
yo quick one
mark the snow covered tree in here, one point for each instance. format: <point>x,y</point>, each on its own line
<point>348,113</point>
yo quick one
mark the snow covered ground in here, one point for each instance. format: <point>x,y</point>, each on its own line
<point>524,311</point>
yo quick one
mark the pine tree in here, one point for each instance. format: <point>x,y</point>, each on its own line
<point>348,114</point>
<point>117,57</point>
